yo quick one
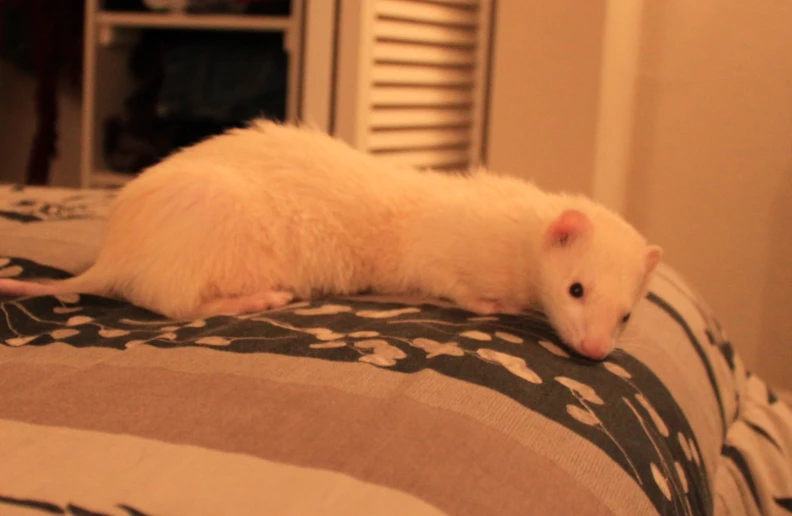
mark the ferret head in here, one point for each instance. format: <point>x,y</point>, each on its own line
<point>595,269</point>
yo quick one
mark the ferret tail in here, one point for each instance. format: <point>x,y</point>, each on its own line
<point>88,282</point>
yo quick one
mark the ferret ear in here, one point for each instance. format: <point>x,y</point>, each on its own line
<point>653,256</point>
<point>568,226</point>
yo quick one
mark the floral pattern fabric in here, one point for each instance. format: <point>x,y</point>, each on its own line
<point>618,405</point>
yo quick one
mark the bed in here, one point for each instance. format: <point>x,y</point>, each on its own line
<point>363,405</point>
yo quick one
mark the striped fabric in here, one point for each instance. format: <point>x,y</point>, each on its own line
<point>363,405</point>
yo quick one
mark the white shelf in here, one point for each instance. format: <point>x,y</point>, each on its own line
<point>193,21</point>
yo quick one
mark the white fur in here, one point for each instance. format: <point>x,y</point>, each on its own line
<point>243,220</point>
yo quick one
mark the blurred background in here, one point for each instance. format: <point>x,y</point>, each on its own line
<point>677,114</point>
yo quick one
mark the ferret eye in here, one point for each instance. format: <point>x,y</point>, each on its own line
<point>626,318</point>
<point>576,290</point>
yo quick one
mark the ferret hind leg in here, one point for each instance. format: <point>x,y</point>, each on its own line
<point>246,304</point>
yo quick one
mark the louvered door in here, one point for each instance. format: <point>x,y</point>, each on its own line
<point>412,79</point>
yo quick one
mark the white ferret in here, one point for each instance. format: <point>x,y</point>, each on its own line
<point>250,219</point>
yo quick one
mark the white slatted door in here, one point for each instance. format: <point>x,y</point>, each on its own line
<point>411,79</point>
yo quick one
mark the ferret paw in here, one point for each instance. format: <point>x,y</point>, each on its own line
<point>247,304</point>
<point>490,307</point>
<point>267,301</point>
<point>480,306</point>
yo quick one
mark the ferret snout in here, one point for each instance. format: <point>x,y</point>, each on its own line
<point>595,348</point>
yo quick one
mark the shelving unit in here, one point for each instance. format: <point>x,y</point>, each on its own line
<point>405,80</point>
<point>105,82</point>
<point>193,21</point>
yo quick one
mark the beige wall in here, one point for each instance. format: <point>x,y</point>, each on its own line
<point>712,169</point>
<point>543,100</point>
<point>710,174</point>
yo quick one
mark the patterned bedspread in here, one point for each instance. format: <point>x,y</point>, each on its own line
<point>363,405</point>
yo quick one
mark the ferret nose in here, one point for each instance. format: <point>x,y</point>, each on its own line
<point>595,349</point>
